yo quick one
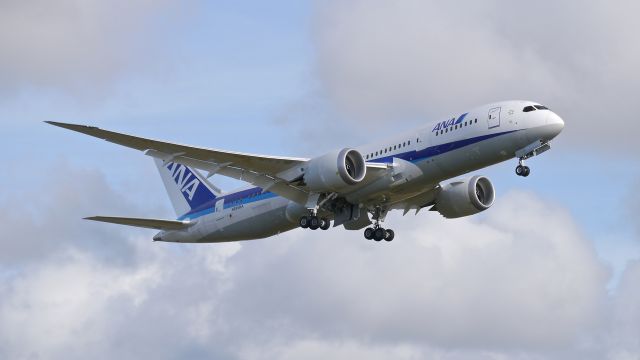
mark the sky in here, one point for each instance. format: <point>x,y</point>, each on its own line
<point>551,271</point>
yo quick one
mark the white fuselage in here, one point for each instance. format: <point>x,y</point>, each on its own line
<point>441,150</point>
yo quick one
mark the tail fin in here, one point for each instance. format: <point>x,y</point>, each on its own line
<point>186,187</point>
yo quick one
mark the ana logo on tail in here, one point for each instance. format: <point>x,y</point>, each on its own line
<point>187,182</point>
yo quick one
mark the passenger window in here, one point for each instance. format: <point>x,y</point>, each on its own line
<point>476,121</point>
<point>394,147</point>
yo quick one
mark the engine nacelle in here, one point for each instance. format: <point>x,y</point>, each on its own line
<point>335,171</point>
<point>466,197</point>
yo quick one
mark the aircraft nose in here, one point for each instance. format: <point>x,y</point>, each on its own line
<point>555,124</point>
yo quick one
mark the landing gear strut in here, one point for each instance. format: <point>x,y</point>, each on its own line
<point>522,169</point>
<point>377,232</point>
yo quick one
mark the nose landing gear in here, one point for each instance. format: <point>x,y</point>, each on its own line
<point>534,149</point>
<point>522,169</point>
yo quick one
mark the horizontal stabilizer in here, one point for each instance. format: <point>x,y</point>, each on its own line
<point>144,223</point>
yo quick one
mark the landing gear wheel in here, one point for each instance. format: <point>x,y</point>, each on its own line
<point>379,234</point>
<point>368,233</point>
<point>314,223</point>
<point>389,235</point>
<point>520,170</point>
<point>303,222</point>
<point>526,172</point>
<point>325,224</point>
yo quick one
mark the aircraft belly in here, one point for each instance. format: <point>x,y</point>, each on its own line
<point>467,159</point>
<point>254,222</point>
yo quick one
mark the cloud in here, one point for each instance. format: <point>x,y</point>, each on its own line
<point>519,281</point>
<point>632,206</point>
<point>624,336</point>
<point>487,287</point>
<point>499,284</point>
<point>56,307</point>
<point>318,349</point>
<point>78,47</point>
<point>383,61</point>
<point>47,218</point>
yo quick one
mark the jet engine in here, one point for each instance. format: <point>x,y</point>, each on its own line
<point>465,197</point>
<point>335,171</point>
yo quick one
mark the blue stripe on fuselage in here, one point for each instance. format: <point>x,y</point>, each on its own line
<point>418,155</point>
<point>243,197</point>
<point>256,194</point>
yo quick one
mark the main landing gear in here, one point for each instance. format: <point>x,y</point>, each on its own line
<point>314,222</point>
<point>377,232</point>
<point>522,169</point>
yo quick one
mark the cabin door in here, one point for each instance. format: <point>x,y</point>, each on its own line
<point>220,216</point>
<point>494,118</point>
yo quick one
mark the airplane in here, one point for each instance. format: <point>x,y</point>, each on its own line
<point>350,187</point>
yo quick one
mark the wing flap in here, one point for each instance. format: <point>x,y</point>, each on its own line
<point>157,224</point>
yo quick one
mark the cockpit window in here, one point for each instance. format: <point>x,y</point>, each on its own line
<point>540,107</point>
<point>529,108</point>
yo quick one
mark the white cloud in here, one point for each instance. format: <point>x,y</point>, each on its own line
<point>43,222</point>
<point>316,349</point>
<point>73,305</point>
<point>60,306</point>
<point>520,281</point>
<point>489,287</point>
<point>497,284</point>
<point>624,335</point>
<point>386,61</point>
<point>632,206</point>
<point>81,47</point>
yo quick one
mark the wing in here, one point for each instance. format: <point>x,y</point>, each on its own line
<point>418,202</point>
<point>144,223</point>
<point>268,172</point>
<point>272,173</point>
